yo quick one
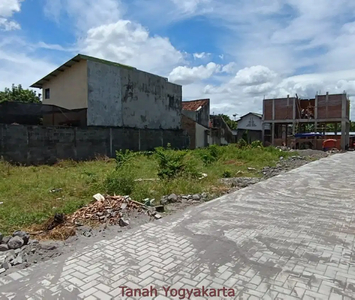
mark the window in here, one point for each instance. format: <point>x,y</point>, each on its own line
<point>47,93</point>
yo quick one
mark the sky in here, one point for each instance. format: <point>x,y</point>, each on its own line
<point>235,53</point>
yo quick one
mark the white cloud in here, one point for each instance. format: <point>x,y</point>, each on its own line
<point>191,6</point>
<point>21,68</point>
<point>130,43</point>
<point>231,97</point>
<point>85,14</point>
<point>185,75</point>
<point>7,9</point>
<point>254,75</point>
<point>230,68</point>
<point>201,55</point>
<point>7,25</point>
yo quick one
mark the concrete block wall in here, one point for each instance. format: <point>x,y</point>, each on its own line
<point>46,145</point>
<point>131,98</point>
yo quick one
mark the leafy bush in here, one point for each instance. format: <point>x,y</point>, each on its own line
<point>256,144</point>
<point>122,157</point>
<point>210,154</point>
<point>242,143</point>
<point>120,182</point>
<point>245,136</point>
<point>170,162</point>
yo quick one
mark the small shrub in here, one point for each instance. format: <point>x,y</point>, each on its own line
<point>170,162</point>
<point>242,143</point>
<point>5,167</point>
<point>257,144</point>
<point>120,182</point>
<point>245,136</point>
<point>123,157</point>
<point>210,154</point>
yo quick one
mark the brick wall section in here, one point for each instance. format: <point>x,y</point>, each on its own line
<point>39,145</point>
<point>189,126</point>
<point>331,109</point>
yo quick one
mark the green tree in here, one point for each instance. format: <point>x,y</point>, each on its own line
<point>232,124</point>
<point>17,93</point>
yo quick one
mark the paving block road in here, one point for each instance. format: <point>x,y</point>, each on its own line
<point>290,237</point>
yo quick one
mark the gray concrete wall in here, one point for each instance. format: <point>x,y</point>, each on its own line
<point>150,101</point>
<point>104,95</point>
<point>39,145</point>
<point>203,115</point>
<point>253,135</point>
<point>190,114</point>
<point>119,96</point>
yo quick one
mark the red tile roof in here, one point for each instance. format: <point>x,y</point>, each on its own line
<point>194,104</point>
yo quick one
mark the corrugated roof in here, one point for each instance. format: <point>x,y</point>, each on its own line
<point>71,62</point>
<point>194,105</point>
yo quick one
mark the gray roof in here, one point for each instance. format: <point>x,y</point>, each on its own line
<point>251,113</point>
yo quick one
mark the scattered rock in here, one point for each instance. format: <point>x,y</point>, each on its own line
<point>15,242</point>
<point>251,169</point>
<point>4,247</point>
<point>164,201</point>
<point>196,197</point>
<point>85,231</point>
<point>2,270</point>
<point>157,216</point>
<point>239,182</point>
<point>48,246</point>
<point>55,221</point>
<point>160,208</point>
<point>6,265</point>
<point>173,198</point>
<point>56,190</point>
<point>6,239</point>
<point>98,197</point>
<point>10,258</point>
<point>22,234</point>
<point>18,260</point>
<point>123,222</point>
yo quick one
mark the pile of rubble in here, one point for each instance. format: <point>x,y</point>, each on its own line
<point>173,198</point>
<point>112,210</point>
<point>239,182</point>
<point>18,249</point>
<point>284,165</point>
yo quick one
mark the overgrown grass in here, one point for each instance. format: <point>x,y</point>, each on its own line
<point>27,197</point>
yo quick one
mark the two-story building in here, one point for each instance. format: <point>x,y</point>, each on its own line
<point>111,94</point>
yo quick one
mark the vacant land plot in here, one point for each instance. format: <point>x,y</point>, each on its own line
<point>30,195</point>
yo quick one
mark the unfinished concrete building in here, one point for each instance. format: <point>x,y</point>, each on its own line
<point>113,95</point>
<point>286,119</point>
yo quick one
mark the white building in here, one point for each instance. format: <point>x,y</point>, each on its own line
<point>251,124</point>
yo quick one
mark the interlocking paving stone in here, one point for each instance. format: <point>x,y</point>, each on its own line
<point>290,237</point>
